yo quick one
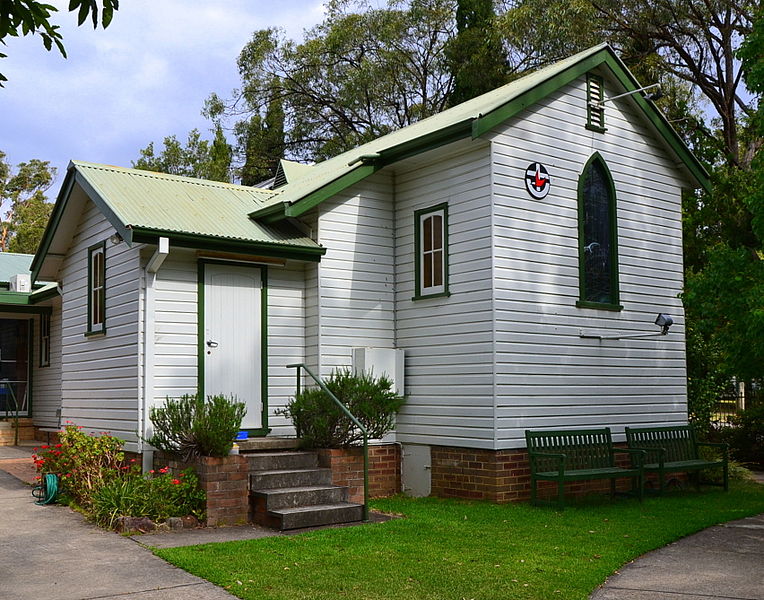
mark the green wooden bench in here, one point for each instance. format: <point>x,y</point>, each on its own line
<point>575,455</point>
<point>674,449</point>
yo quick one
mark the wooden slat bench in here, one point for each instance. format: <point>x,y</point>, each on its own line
<point>576,455</point>
<point>674,449</point>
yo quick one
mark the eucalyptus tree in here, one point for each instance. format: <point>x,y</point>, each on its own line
<point>361,73</point>
<point>24,207</point>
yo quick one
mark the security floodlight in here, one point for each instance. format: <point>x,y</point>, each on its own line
<point>664,321</point>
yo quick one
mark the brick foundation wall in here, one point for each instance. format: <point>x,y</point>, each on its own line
<point>347,470</point>
<point>504,476</point>
<point>224,480</point>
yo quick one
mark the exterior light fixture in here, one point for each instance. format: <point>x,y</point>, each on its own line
<point>664,322</point>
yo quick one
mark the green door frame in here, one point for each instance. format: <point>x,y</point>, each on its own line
<point>202,262</point>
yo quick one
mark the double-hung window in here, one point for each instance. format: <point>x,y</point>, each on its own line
<point>45,340</point>
<point>97,288</point>
<point>431,251</point>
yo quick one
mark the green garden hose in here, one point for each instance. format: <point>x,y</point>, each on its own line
<point>47,490</point>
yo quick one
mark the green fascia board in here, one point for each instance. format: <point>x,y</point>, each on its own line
<point>447,135</point>
<point>53,222</point>
<point>43,294</point>
<point>331,189</point>
<point>278,212</point>
<point>15,298</point>
<point>608,57</point>
<point>202,242</point>
<point>116,221</point>
<point>496,117</point>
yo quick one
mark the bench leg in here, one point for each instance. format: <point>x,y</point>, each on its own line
<point>612,489</point>
<point>534,500</point>
<point>661,482</point>
<point>561,493</point>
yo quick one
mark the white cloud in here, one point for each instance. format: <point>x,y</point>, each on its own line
<point>143,78</point>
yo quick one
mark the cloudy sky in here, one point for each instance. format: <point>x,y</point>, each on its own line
<point>143,78</point>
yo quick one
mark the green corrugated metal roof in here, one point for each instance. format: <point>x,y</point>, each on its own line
<point>471,118</point>
<point>145,200</point>
<point>13,264</point>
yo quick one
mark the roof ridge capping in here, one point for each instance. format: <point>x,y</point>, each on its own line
<point>473,118</point>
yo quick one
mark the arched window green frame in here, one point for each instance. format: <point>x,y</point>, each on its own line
<point>597,237</point>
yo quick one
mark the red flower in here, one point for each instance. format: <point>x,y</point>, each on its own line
<point>152,471</point>
<point>176,481</point>
<point>164,470</point>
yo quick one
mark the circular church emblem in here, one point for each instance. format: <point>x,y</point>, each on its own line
<point>537,180</point>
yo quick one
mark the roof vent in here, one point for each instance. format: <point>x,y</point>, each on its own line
<point>280,178</point>
<point>21,283</point>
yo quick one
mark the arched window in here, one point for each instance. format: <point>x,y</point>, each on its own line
<point>597,237</point>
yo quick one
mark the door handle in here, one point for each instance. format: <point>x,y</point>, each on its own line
<point>212,344</point>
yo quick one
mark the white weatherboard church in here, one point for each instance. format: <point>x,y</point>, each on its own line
<point>509,249</point>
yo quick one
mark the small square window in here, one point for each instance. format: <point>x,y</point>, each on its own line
<point>97,288</point>
<point>431,251</point>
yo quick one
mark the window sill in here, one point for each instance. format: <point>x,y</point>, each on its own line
<point>96,333</point>
<point>596,128</point>
<point>428,296</point>
<point>599,305</point>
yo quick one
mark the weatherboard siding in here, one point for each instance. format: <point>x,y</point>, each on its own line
<point>546,374</point>
<point>449,340</point>
<point>99,380</point>
<point>353,305</point>
<point>46,381</point>
<point>176,330</point>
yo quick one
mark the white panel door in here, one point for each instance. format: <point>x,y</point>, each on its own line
<point>232,343</point>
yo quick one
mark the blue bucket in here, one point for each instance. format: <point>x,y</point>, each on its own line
<point>242,435</point>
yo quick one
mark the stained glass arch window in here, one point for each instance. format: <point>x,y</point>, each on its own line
<point>597,237</point>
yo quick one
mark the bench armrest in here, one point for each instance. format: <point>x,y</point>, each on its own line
<point>638,455</point>
<point>660,451</point>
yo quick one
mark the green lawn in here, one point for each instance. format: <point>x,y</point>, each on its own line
<point>459,550</point>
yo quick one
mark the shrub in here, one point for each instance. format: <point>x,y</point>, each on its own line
<point>156,495</point>
<point>320,423</point>
<point>84,462</point>
<point>745,435</point>
<point>189,426</point>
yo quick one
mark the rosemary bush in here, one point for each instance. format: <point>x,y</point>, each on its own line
<point>191,426</point>
<point>320,423</point>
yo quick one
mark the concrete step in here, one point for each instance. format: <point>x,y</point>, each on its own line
<point>289,478</point>
<point>267,444</point>
<point>274,461</point>
<point>315,516</point>
<point>274,499</point>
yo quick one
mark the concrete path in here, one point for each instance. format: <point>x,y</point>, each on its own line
<point>725,562</point>
<point>52,552</point>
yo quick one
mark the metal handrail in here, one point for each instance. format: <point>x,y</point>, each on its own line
<point>355,421</point>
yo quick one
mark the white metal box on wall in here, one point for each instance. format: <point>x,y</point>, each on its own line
<point>381,361</point>
<point>21,283</point>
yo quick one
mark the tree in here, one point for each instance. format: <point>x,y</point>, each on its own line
<point>354,77</point>
<point>261,144</point>
<point>24,206</point>
<point>29,17</point>
<point>476,57</point>
<point>695,42</point>
<point>198,158</point>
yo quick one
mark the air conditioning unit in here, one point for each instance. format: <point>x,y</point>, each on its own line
<point>381,361</point>
<point>21,283</point>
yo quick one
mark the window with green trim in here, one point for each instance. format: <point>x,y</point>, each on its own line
<point>431,251</point>
<point>595,112</point>
<point>598,236</point>
<point>45,340</point>
<point>97,288</point>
